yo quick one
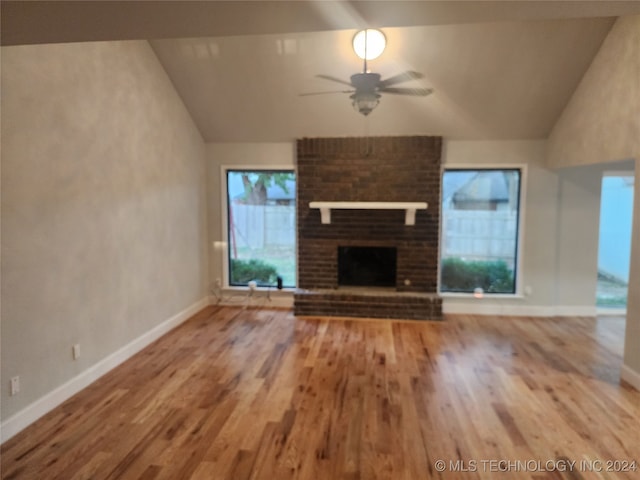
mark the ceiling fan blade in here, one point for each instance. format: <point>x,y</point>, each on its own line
<point>401,77</point>
<point>324,93</point>
<point>417,92</point>
<point>334,79</point>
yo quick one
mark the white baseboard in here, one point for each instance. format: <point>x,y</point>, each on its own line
<point>611,312</point>
<point>48,402</point>
<point>482,308</point>
<point>630,376</point>
<point>575,311</point>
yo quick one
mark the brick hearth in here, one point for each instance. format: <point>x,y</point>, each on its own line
<point>378,169</point>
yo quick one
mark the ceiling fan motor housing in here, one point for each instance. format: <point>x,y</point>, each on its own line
<point>365,82</point>
<point>366,97</point>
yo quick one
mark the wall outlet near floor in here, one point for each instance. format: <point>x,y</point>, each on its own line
<point>15,385</point>
<point>76,351</point>
<point>218,282</point>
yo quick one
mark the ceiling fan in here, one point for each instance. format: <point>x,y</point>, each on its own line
<point>367,87</point>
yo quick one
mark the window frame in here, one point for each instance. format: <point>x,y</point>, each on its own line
<point>223,245</point>
<point>519,262</point>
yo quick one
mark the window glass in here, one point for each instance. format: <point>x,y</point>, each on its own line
<point>479,248</point>
<point>261,221</point>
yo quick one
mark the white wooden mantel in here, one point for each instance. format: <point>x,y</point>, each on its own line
<point>409,208</point>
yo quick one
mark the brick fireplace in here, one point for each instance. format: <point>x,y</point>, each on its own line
<point>376,169</point>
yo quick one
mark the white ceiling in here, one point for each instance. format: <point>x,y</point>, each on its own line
<point>500,70</point>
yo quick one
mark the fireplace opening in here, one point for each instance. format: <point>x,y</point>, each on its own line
<point>367,266</point>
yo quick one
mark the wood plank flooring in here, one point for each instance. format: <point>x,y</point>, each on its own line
<point>260,394</point>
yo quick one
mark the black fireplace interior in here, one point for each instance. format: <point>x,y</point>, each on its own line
<point>367,266</point>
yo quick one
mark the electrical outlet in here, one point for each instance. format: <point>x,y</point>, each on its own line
<point>252,285</point>
<point>218,282</point>
<point>15,385</point>
<point>76,351</point>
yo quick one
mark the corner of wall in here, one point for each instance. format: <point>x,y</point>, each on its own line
<point>630,376</point>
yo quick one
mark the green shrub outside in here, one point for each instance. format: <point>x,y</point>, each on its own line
<point>243,271</point>
<point>459,275</point>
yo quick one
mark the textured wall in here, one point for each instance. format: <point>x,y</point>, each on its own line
<point>103,208</point>
<point>601,123</point>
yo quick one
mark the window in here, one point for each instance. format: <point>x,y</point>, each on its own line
<point>261,227</point>
<point>480,218</point>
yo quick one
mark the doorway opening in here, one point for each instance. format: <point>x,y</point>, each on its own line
<point>614,246</point>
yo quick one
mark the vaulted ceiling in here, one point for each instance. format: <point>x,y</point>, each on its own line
<point>499,70</point>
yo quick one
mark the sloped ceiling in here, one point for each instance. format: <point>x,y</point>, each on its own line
<point>507,80</point>
<point>500,70</point>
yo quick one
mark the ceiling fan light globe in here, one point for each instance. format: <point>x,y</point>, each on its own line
<point>364,103</point>
<point>371,41</point>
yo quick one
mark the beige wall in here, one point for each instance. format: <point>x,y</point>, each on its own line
<point>601,123</point>
<point>556,279</point>
<point>103,208</point>
<point>240,155</point>
<point>540,193</point>
<point>577,233</point>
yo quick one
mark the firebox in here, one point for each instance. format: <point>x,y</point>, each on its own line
<point>367,266</point>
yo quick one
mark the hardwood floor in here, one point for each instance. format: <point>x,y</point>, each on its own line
<point>260,394</point>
